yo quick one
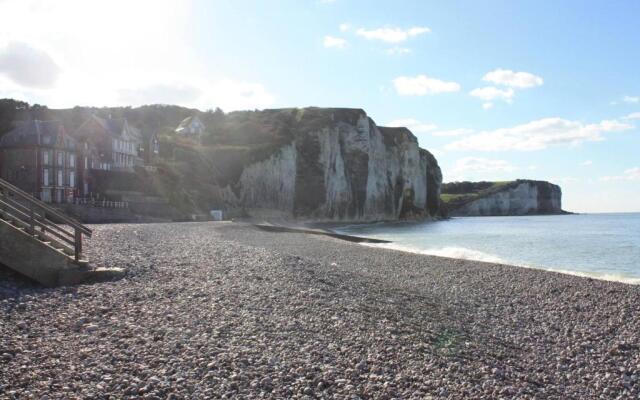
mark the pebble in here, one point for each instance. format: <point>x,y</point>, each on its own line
<point>226,311</point>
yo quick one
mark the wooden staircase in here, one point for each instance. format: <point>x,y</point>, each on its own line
<point>37,240</point>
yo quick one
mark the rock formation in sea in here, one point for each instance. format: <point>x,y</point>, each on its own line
<point>520,197</point>
<point>340,166</point>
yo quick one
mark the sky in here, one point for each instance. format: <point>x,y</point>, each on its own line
<point>496,90</point>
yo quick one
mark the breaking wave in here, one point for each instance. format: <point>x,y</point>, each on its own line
<point>475,255</point>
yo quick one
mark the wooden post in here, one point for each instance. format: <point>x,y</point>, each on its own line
<point>32,219</point>
<point>78,244</point>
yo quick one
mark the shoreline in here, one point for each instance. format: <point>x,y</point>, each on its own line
<point>629,280</point>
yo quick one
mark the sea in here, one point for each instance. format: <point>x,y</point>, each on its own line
<point>602,246</point>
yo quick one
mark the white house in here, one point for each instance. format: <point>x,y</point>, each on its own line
<point>191,126</point>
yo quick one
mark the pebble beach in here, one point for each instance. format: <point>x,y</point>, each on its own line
<point>224,310</point>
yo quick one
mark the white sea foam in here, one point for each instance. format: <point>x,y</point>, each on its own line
<point>475,255</point>
<point>450,252</point>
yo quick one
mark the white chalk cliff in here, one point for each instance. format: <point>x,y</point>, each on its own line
<point>340,166</point>
<point>519,198</point>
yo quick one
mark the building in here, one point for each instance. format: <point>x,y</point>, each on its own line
<point>40,158</point>
<point>191,126</point>
<point>151,148</point>
<point>109,144</point>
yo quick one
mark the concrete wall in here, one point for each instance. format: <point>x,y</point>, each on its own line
<point>98,215</point>
<point>27,256</point>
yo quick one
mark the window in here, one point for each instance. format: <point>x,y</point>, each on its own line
<point>46,160</point>
<point>86,163</point>
<point>46,195</point>
<point>60,159</point>
<point>72,179</point>
<point>60,178</point>
<point>45,177</point>
<point>72,160</point>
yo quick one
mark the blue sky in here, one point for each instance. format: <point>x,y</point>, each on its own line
<point>495,89</point>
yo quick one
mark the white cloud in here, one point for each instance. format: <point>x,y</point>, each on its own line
<point>102,62</point>
<point>398,51</point>
<point>478,164</point>
<point>413,125</point>
<point>631,174</point>
<point>586,163</point>
<point>344,27</point>
<point>332,41</point>
<point>28,66</point>
<point>538,135</point>
<point>423,85</point>
<point>631,99</point>
<point>453,132</point>
<point>487,106</point>
<point>635,115</point>
<point>518,80</point>
<point>392,35</point>
<point>491,93</point>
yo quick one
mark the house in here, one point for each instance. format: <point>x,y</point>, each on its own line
<point>191,126</point>
<point>40,158</point>
<point>150,147</point>
<point>109,144</point>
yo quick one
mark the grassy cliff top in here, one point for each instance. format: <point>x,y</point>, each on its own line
<point>457,194</point>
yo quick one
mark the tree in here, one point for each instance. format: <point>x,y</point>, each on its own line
<point>10,111</point>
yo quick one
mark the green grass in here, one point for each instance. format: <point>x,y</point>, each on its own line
<point>458,199</point>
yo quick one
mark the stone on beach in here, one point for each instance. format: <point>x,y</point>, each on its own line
<point>227,311</point>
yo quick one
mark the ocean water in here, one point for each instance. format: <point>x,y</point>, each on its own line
<point>603,246</point>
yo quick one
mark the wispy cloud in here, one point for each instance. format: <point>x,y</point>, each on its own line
<point>478,164</point>
<point>392,35</point>
<point>422,85</point>
<point>631,174</point>
<point>334,42</point>
<point>518,80</point>
<point>635,115</point>
<point>453,132</point>
<point>394,51</point>
<point>631,99</point>
<point>586,163</point>
<point>344,27</point>
<point>491,93</point>
<point>537,135</point>
<point>413,125</point>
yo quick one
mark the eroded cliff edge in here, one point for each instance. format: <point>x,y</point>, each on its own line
<point>340,166</point>
<point>520,197</point>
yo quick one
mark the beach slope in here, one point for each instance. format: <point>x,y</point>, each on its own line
<point>223,310</point>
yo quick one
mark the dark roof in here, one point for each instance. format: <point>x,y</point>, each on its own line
<point>112,126</point>
<point>37,133</point>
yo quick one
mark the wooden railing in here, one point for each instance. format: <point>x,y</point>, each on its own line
<point>35,217</point>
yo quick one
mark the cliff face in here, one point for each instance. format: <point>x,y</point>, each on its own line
<point>522,197</point>
<point>340,166</point>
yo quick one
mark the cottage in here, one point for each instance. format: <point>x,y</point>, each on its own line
<point>191,126</point>
<point>40,158</point>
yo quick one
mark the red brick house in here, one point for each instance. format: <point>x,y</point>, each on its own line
<point>40,158</point>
